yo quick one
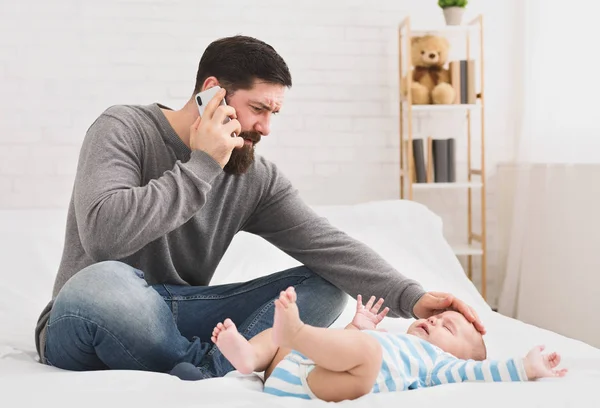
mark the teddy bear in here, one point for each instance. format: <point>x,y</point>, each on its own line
<point>430,80</point>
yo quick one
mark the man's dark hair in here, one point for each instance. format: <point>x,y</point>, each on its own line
<point>240,60</point>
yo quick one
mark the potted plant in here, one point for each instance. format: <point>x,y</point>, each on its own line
<point>453,10</point>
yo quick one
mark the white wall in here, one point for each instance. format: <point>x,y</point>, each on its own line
<point>552,279</point>
<point>63,62</point>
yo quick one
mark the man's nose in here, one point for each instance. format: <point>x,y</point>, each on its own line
<point>263,126</point>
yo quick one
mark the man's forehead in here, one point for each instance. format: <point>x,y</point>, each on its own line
<point>268,94</point>
<point>273,101</point>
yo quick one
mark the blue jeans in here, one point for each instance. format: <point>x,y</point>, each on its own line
<point>108,317</point>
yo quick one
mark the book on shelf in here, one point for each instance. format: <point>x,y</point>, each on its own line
<point>435,162</point>
<point>462,78</point>
<point>440,161</point>
<point>451,154</point>
<point>419,160</point>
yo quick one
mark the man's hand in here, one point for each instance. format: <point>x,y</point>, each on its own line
<point>367,317</point>
<point>538,365</point>
<point>211,135</point>
<point>432,303</point>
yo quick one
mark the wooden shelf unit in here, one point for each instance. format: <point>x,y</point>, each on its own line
<point>476,180</point>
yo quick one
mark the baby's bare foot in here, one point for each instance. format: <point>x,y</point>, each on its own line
<point>287,323</point>
<point>234,347</point>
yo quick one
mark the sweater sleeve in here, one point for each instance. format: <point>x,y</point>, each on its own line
<point>116,214</point>
<point>452,370</point>
<point>283,219</point>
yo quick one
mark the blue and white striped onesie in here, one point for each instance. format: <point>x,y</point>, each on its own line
<point>408,363</point>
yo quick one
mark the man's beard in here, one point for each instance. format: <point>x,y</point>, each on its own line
<point>243,157</point>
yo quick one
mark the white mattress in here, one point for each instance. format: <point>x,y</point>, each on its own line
<point>405,233</point>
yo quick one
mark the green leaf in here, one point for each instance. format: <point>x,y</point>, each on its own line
<point>452,3</point>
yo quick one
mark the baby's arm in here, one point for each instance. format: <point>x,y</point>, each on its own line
<point>449,369</point>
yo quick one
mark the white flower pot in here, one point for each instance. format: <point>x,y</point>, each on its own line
<point>453,15</point>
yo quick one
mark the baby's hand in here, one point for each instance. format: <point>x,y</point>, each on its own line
<point>538,365</point>
<point>367,317</point>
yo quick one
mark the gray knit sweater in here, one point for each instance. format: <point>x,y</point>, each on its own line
<point>143,197</point>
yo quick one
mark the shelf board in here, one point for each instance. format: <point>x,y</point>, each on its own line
<point>466,249</point>
<point>458,184</point>
<point>449,30</point>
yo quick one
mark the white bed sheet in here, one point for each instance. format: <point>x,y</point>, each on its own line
<point>406,233</point>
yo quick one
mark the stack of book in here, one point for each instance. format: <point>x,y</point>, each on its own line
<point>436,162</point>
<point>462,79</point>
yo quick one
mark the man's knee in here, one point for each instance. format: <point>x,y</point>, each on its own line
<point>332,300</point>
<point>100,289</point>
<point>105,271</point>
<point>323,287</point>
<point>108,303</point>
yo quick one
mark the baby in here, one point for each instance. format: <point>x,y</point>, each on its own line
<point>309,362</point>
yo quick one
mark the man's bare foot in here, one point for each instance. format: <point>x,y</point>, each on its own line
<point>234,347</point>
<point>287,323</point>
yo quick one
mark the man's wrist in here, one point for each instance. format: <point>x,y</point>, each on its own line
<point>203,165</point>
<point>416,298</point>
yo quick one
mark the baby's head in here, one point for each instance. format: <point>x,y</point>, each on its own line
<point>453,333</point>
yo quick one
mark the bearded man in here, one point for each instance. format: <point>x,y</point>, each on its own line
<point>159,195</point>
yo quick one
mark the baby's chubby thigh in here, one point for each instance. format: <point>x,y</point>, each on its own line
<point>287,375</point>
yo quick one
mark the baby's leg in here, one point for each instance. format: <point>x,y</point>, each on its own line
<point>280,355</point>
<point>348,361</point>
<point>246,356</point>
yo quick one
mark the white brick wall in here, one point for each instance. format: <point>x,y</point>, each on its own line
<point>64,61</point>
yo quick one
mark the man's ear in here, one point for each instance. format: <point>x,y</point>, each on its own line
<point>210,82</point>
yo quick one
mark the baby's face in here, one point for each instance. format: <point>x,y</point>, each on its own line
<point>450,331</point>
